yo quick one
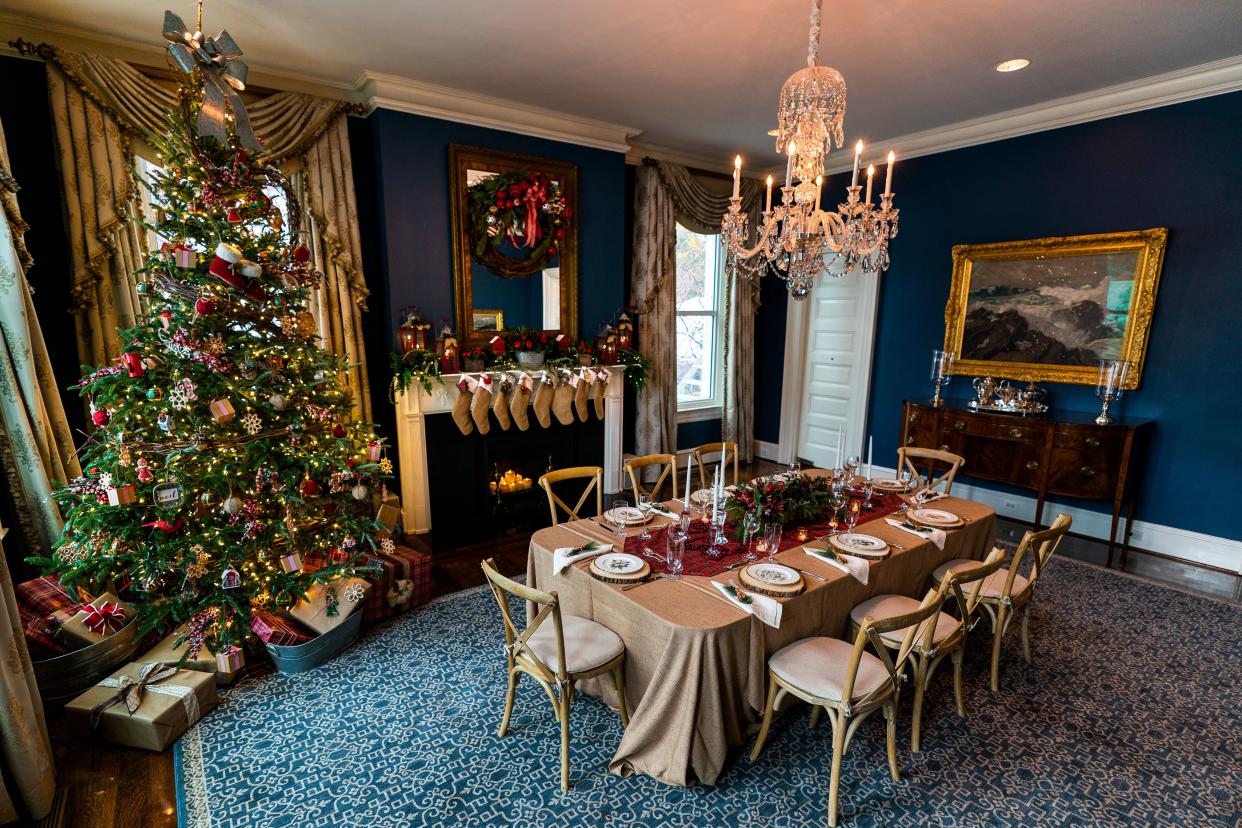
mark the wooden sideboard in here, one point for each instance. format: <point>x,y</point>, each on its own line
<point>1058,454</point>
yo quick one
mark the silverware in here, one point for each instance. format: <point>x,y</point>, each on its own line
<point>812,574</point>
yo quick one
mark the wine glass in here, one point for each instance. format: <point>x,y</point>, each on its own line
<point>772,539</point>
<point>851,515</point>
<point>834,510</point>
<point>644,506</point>
<point>795,468</point>
<point>750,525</point>
<point>674,550</point>
<point>851,468</point>
<point>615,518</point>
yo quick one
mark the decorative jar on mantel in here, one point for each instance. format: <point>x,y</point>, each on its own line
<point>531,360</point>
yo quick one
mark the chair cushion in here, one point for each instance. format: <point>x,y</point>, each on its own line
<point>588,644</point>
<point>993,585</point>
<point>886,606</point>
<point>818,666</point>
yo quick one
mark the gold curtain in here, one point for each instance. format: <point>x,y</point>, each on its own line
<point>653,294</point>
<point>699,204</point>
<point>100,103</point>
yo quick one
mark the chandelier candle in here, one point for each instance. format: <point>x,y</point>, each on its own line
<point>870,176</point>
<point>857,160</point>
<point>737,173</point>
<point>888,177</point>
<point>768,208</point>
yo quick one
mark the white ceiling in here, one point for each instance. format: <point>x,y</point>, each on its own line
<point>702,76</point>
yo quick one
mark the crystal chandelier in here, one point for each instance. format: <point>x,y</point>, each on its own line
<point>798,240</point>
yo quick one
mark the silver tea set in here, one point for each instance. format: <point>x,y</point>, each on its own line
<point>1004,397</point>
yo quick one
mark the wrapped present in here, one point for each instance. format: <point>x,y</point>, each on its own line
<point>319,558</point>
<point>144,705</point>
<point>291,562</point>
<point>122,495</point>
<point>230,659</point>
<point>387,509</point>
<point>416,568</point>
<point>326,606</point>
<point>38,603</point>
<point>277,629</point>
<point>97,620</point>
<point>222,410</point>
<point>171,649</point>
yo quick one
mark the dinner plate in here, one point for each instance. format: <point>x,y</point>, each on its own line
<point>701,497</point>
<point>617,563</point>
<point>627,515</point>
<point>935,517</point>
<point>774,574</point>
<point>860,545</point>
<point>889,484</point>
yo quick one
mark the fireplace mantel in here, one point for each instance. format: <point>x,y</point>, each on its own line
<point>415,404</point>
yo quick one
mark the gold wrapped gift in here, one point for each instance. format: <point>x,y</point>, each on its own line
<point>96,621</point>
<point>166,652</point>
<point>145,706</point>
<point>326,606</point>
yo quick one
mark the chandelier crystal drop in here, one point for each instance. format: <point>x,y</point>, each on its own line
<point>797,239</point>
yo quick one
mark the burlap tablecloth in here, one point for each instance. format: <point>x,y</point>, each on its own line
<point>695,667</point>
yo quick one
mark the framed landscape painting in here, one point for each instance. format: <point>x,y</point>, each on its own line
<point>1051,309</point>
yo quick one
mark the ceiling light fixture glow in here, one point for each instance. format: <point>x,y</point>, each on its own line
<point>1012,65</point>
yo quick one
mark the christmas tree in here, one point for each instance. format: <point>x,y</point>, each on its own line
<point>224,451</point>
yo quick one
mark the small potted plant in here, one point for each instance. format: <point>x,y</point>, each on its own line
<point>474,360</point>
<point>586,354</point>
<point>531,348</point>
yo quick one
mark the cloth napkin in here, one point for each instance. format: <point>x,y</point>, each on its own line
<point>660,510</point>
<point>566,555</point>
<point>762,607</point>
<point>859,568</point>
<point>936,536</point>
<point>926,496</point>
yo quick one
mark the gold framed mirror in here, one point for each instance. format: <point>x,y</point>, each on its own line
<point>1050,309</point>
<point>515,243</point>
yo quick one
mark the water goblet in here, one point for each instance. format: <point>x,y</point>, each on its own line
<point>851,517</point>
<point>795,468</point>
<point>772,539</point>
<point>644,506</point>
<point>613,516</point>
<point>675,551</point>
<point>750,525</point>
<point>851,468</point>
<point>868,493</point>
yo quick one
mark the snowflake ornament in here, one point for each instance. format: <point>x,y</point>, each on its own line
<point>385,465</point>
<point>214,346</point>
<point>354,593</point>
<point>251,423</point>
<point>387,546</point>
<point>179,398</point>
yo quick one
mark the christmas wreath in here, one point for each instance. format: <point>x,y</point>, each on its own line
<point>522,213</point>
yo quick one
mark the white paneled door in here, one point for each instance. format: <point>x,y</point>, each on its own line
<point>839,335</point>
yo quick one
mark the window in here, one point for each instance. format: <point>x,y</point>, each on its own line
<point>700,303</point>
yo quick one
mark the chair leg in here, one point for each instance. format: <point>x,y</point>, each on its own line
<point>1026,634</point>
<point>997,634</point>
<point>890,715</point>
<point>618,678</point>
<point>514,675</point>
<point>920,680</point>
<point>957,681</point>
<point>815,710</point>
<point>839,726</point>
<point>563,715</point>
<point>767,720</point>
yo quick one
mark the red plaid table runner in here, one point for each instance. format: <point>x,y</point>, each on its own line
<point>696,562</point>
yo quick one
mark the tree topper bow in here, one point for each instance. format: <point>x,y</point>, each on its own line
<point>223,77</point>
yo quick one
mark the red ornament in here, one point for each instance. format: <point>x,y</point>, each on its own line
<point>552,250</point>
<point>310,488</point>
<point>302,254</point>
<point>338,430</point>
<point>224,265</point>
<point>498,345</point>
<point>242,156</point>
<point>234,216</point>
<point>133,364</point>
<point>204,307</point>
<point>166,526</point>
<point>100,416</point>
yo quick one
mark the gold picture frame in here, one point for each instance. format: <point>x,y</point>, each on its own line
<point>1047,310</point>
<point>487,321</point>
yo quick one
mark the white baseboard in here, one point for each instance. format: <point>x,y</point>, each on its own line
<point>1182,544</point>
<point>766,451</point>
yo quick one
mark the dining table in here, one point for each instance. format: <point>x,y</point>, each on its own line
<point>696,664</point>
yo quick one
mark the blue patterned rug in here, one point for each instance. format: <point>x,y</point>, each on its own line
<point>1129,716</point>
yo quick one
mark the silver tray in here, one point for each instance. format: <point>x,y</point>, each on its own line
<point>1036,410</point>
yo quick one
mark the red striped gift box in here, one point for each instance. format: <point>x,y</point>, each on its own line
<point>278,630</point>
<point>37,601</point>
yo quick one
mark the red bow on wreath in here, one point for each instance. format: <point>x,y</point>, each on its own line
<point>534,198</point>
<point>104,619</point>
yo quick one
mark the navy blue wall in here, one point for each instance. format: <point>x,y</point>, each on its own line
<point>1175,167</point>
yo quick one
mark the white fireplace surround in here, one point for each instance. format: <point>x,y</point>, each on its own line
<point>415,404</point>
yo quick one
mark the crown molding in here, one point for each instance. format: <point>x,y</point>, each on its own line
<point>152,53</point>
<point>1202,81</point>
<point>377,90</point>
<point>689,159</point>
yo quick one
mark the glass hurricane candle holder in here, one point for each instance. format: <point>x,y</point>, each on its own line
<point>941,373</point>
<point>1109,385</point>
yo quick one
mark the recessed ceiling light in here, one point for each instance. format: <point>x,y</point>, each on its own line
<point>1012,65</point>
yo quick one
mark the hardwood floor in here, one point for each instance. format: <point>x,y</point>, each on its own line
<point>113,787</point>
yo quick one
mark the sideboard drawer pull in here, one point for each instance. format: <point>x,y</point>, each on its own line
<point>910,440</point>
<point>1092,442</point>
<point>959,425</point>
<point>1032,464</point>
<point>944,446</point>
<point>1016,433</point>
<point>1087,471</point>
<point>914,416</point>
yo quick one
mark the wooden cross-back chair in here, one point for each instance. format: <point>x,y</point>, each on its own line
<point>847,682</point>
<point>1007,592</point>
<point>699,455</point>
<point>944,636</point>
<point>931,459</point>
<point>557,651</point>
<point>634,469</point>
<point>596,476</point>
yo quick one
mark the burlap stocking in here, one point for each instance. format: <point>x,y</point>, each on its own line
<point>543,401</point>
<point>582,396</point>
<point>563,401</point>
<point>519,402</point>
<point>481,404</point>
<point>601,391</point>
<point>461,406</point>
<point>501,406</point>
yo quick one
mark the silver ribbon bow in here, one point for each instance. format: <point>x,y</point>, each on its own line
<point>223,77</point>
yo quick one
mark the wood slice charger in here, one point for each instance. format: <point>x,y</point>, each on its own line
<point>610,576</point>
<point>768,588</point>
